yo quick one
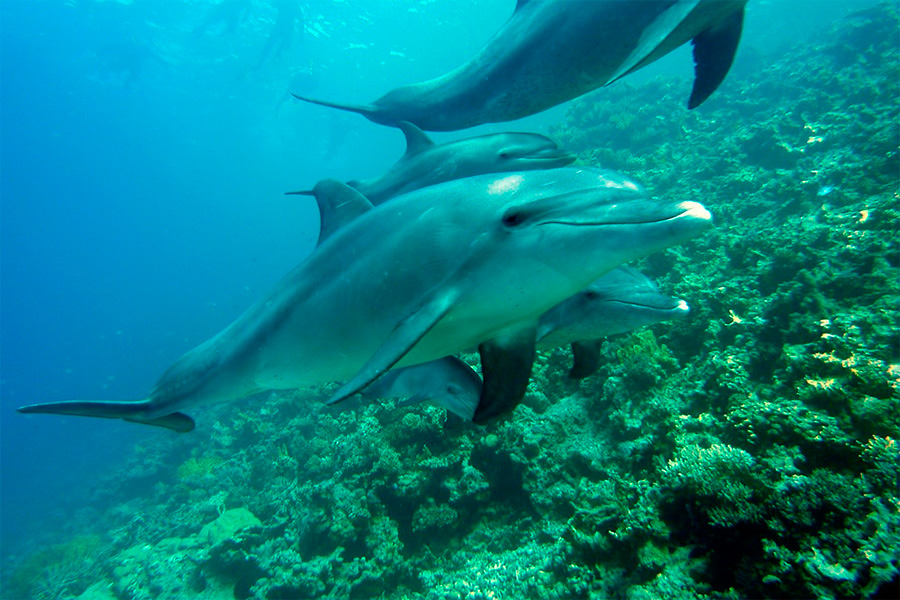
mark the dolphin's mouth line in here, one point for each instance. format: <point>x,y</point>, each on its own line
<point>547,156</point>
<point>694,212</point>
<point>647,306</point>
<point>606,223</point>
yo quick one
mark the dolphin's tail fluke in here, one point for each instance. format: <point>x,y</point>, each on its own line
<point>366,110</point>
<point>127,411</point>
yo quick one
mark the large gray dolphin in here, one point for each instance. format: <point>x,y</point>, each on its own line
<point>471,262</point>
<point>426,163</point>
<point>551,51</point>
<point>622,299</point>
<point>618,302</point>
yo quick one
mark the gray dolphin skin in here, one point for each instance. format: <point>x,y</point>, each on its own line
<point>470,262</point>
<point>426,163</point>
<point>618,302</point>
<point>551,51</point>
<point>448,382</point>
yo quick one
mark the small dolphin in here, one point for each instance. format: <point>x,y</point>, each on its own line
<point>426,163</point>
<point>551,51</point>
<point>618,302</point>
<point>448,382</point>
<point>470,262</point>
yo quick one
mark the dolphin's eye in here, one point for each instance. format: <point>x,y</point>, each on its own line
<point>513,218</point>
<point>504,155</point>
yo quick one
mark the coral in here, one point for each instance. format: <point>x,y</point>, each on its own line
<point>721,481</point>
<point>227,525</point>
<point>196,469</point>
<point>57,571</point>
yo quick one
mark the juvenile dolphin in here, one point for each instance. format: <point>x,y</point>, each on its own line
<point>448,382</point>
<point>551,51</point>
<point>618,302</point>
<point>426,163</point>
<point>471,262</point>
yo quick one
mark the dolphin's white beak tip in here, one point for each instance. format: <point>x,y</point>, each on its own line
<point>695,210</point>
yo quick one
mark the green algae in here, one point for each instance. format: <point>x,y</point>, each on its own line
<point>750,450</point>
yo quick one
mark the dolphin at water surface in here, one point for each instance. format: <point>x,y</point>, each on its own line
<point>471,262</point>
<point>551,51</point>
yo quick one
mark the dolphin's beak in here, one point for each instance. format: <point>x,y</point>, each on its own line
<point>551,157</point>
<point>693,210</point>
<point>552,211</point>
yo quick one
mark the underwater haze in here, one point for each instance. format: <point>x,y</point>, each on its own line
<point>749,450</point>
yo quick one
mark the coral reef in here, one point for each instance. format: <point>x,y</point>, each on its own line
<point>748,451</point>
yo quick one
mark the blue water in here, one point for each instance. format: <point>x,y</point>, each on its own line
<point>143,164</point>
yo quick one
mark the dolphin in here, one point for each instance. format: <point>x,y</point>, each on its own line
<point>618,302</point>
<point>551,51</point>
<point>471,262</point>
<point>426,163</point>
<point>449,382</point>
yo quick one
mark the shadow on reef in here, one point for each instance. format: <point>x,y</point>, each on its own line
<point>750,450</point>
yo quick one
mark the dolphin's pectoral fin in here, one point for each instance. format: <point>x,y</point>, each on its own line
<point>647,48</point>
<point>416,139</point>
<point>127,411</point>
<point>506,368</point>
<point>714,51</point>
<point>402,339</point>
<point>338,205</point>
<point>586,359</point>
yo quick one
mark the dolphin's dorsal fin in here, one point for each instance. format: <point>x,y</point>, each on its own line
<point>405,335</point>
<point>586,358</point>
<point>338,205</point>
<point>521,3</point>
<point>714,51</point>
<point>506,369</point>
<point>416,139</point>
